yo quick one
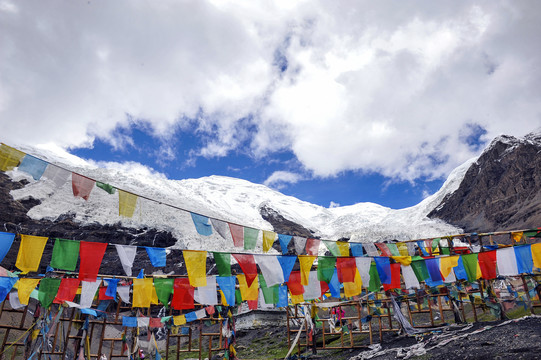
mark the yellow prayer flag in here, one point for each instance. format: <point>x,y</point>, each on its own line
<point>517,236</point>
<point>222,296</point>
<point>404,260</point>
<point>248,293</point>
<point>196,264</point>
<point>9,157</point>
<point>447,263</point>
<point>296,299</point>
<point>306,262</point>
<point>479,275</point>
<point>25,288</point>
<point>343,248</point>
<point>536,255</point>
<point>268,240</point>
<point>154,300</point>
<point>353,288</point>
<point>142,292</point>
<point>402,249</point>
<point>126,203</point>
<point>179,320</point>
<point>30,252</point>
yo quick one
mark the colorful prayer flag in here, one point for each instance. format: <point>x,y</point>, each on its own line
<point>6,240</point>
<point>343,248</point>
<point>126,203</point>
<point>312,246</point>
<point>157,256</point>
<point>268,240</point>
<point>25,287</point>
<point>142,292</point>
<point>250,238</point>
<point>33,166</point>
<point>183,294</point>
<point>65,254</point>
<point>81,185</point>
<point>237,233</point>
<point>306,262</point>
<point>286,263</point>
<point>248,292</point>
<point>91,254</point>
<point>201,224</point>
<point>48,288</point>
<point>223,263</point>
<point>9,157</point>
<point>248,266</point>
<point>30,252</point>
<point>284,242</point>
<point>196,265</point>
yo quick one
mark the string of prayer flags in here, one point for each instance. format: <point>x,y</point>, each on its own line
<point>523,255</point>
<point>286,263</point>
<point>507,262</point>
<point>487,264</point>
<point>126,203</point>
<point>142,292</point>
<point>383,265</point>
<point>48,288</point>
<point>106,187</point>
<point>343,248</point>
<point>91,254</point>
<point>227,285</point>
<point>164,289</point>
<point>183,294</point>
<point>202,224</point>
<point>25,288</point>
<point>9,157</point>
<point>312,246</point>
<point>157,256</point>
<point>268,266</point>
<point>126,254</point>
<point>81,185</point>
<point>395,278</point>
<point>356,249</point>
<point>300,244</point>
<point>237,233</point>
<point>65,254</point>
<point>333,248</point>
<point>207,294</point>
<point>312,290</point>
<point>30,252</point>
<point>363,266</point>
<point>248,291</point>
<point>250,238</point>
<point>325,268</point>
<point>223,263</point>
<point>33,166</point>
<point>56,174</point>
<point>196,265</point>
<point>346,269</point>
<point>248,266</point>
<point>284,242</point>
<point>354,288</point>
<point>305,262</point>
<point>268,240</point>
<point>6,240</point>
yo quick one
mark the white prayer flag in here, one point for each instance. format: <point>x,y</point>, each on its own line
<point>126,253</point>
<point>270,268</point>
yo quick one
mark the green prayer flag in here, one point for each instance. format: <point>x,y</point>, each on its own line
<point>223,263</point>
<point>375,283</point>
<point>470,264</point>
<point>65,254</point>
<point>268,292</point>
<point>238,297</point>
<point>333,248</point>
<point>109,188</point>
<point>419,268</point>
<point>393,249</point>
<point>435,243</point>
<point>250,238</point>
<point>164,289</point>
<point>325,268</point>
<point>48,288</point>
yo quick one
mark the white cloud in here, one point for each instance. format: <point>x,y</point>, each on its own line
<point>279,179</point>
<point>333,205</point>
<point>377,87</point>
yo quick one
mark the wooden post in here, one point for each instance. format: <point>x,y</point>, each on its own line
<point>525,285</point>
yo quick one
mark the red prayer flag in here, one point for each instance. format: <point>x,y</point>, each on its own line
<point>487,263</point>
<point>384,249</point>
<point>102,295</point>
<point>155,323</point>
<point>81,185</point>
<point>91,254</point>
<point>324,287</point>
<point>248,266</point>
<point>395,278</point>
<point>182,294</point>
<point>252,304</point>
<point>294,284</point>
<point>312,246</point>
<point>346,267</point>
<point>67,290</point>
<point>237,233</point>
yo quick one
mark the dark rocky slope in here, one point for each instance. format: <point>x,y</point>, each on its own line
<point>501,191</point>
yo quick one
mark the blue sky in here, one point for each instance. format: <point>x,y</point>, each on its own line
<point>323,100</point>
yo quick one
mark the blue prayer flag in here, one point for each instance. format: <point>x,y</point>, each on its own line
<point>33,166</point>
<point>460,270</point>
<point>287,263</point>
<point>334,285</point>
<point>202,224</point>
<point>227,285</point>
<point>6,240</point>
<point>141,274</point>
<point>6,284</point>
<point>422,247</point>
<point>111,287</point>
<point>356,249</point>
<point>282,296</point>
<point>523,254</point>
<point>433,267</point>
<point>191,316</point>
<point>92,312</point>
<point>157,256</point>
<point>284,242</point>
<point>383,266</point>
<point>129,321</point>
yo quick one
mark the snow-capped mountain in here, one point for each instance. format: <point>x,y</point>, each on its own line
<point>228,199</point>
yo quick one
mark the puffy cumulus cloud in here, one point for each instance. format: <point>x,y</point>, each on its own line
<point>280,179</point>
<point>404,91</point>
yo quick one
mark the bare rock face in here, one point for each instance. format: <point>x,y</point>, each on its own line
<point>501,191</point>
